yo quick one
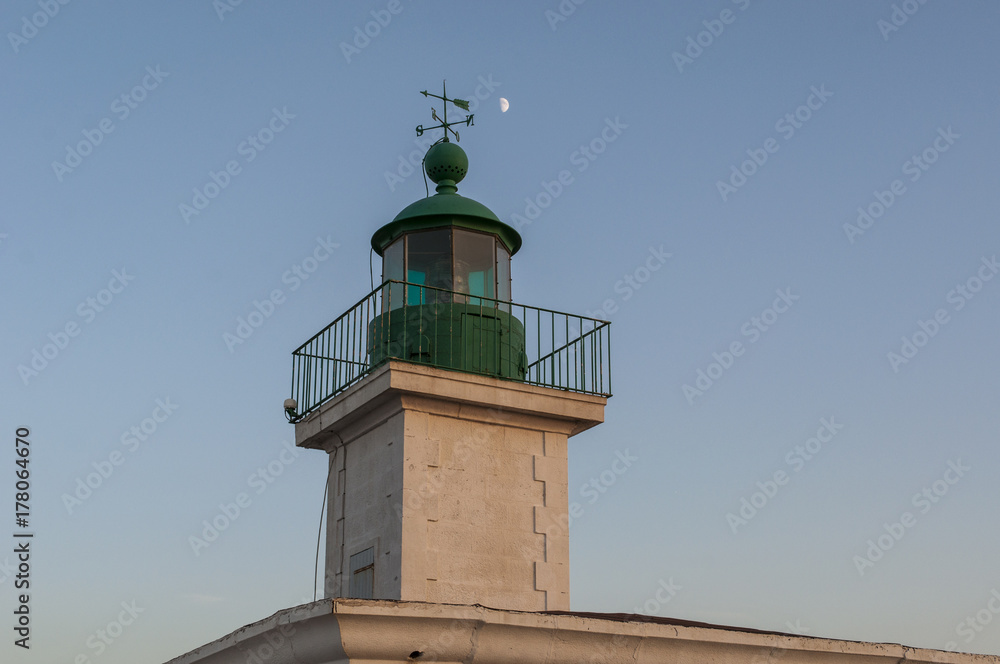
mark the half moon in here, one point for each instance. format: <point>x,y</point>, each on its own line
<point>504,105</point>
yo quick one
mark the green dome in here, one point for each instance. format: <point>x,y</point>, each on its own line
<point>446,164</point>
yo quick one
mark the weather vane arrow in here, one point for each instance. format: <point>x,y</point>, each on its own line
<point>460,103</point>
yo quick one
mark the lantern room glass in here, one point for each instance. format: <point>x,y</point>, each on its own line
<point>475,265</point>
<point>428,263</point>
<point>503,273</point>
<point>392,270</point>
<point>453,259</point>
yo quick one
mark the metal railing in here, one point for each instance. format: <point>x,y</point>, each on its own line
<point>452,330</point>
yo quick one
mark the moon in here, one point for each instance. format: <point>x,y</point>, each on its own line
<point>504,105</point>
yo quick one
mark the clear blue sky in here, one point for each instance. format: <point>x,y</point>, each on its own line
<point>832,104</point>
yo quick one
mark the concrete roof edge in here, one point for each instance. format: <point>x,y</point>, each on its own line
<point>364,630</point>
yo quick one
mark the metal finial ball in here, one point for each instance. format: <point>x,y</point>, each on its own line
<point>446,161</point>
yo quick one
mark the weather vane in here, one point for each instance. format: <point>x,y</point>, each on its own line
<point>461,103</point>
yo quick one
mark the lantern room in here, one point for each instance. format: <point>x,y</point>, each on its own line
<point>455,259</point>
<point>446,279</point>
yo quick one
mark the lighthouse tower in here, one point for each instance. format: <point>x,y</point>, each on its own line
<point>445,409</point>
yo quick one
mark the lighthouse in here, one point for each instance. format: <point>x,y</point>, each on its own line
<point>445,409</point>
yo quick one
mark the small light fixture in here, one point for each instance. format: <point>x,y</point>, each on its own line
<point>290,406</point>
